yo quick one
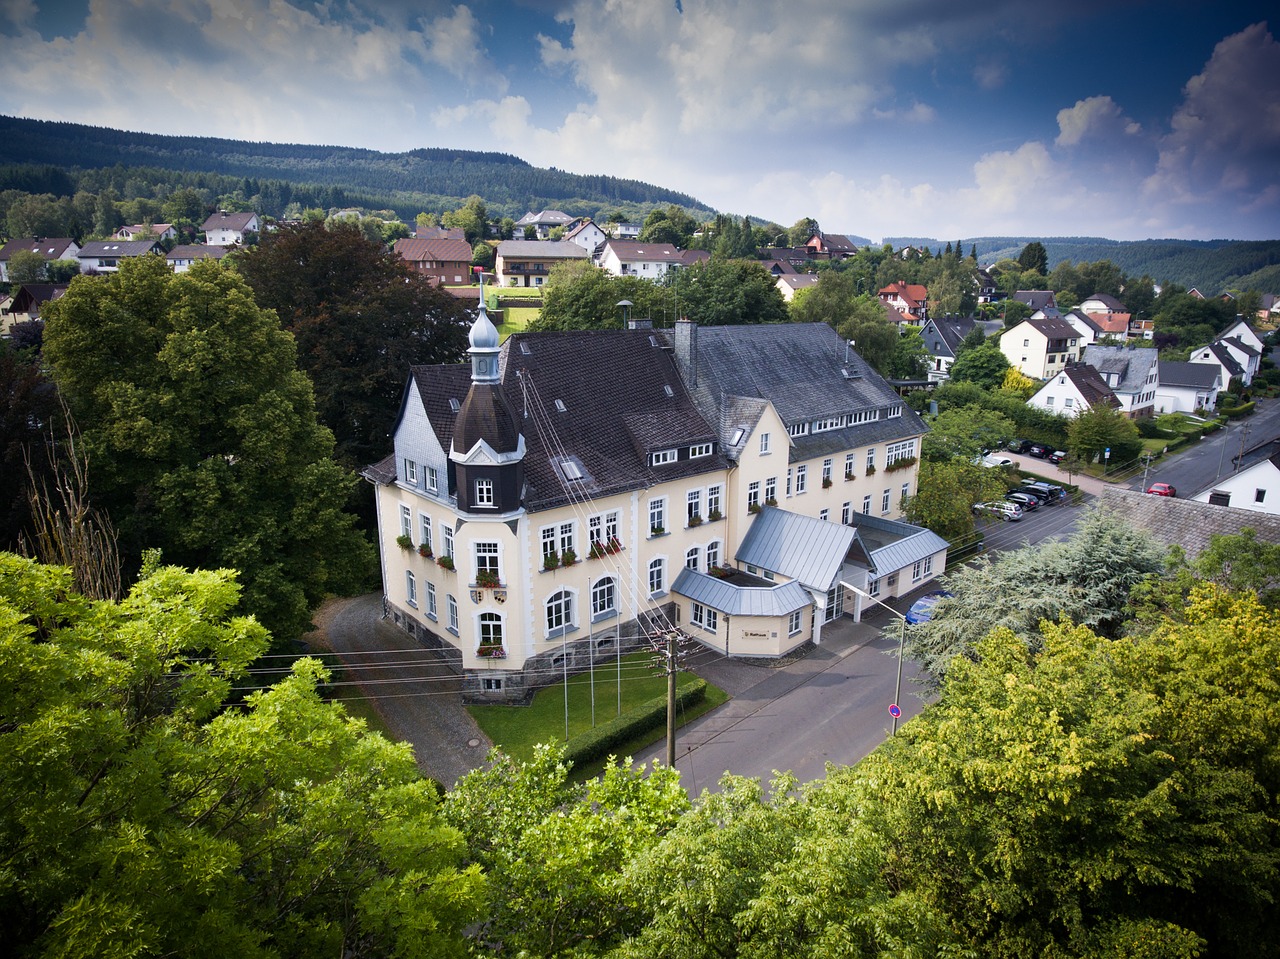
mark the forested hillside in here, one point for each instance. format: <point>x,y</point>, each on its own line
<point>425,179</point>
<point>1209,265</point>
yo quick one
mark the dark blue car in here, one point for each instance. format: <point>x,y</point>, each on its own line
<point>921,610</point>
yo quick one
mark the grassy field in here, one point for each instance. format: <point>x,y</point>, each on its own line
<point>517,729</point>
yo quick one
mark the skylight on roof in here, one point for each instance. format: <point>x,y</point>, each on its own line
<point>560,407</point>
<point>524,348</point>
<point>454,404</point>
<point>570,469</point>
<point>738,434</point>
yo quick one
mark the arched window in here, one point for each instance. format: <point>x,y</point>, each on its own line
<point>604,596</point>
<point>713,554</point>
<point>691,558</point>
<point>657,575</point>
<point>560,611</point>
<point>491,636</point>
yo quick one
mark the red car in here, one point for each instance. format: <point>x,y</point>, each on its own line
<point>1162,489</point>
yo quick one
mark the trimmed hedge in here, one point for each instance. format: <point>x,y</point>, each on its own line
<point>1244,409</point>
<point>599,742</point>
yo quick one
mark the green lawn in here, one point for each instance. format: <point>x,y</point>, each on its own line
<point>517,729</point>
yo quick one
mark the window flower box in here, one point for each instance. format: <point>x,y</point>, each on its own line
<point>404,541</point>
<point>849,475</point>
<point>871,471</point>
<point>753,508</point>
<point>771,501</point>
<point>424,551</point>
<point>714,515</point>
<point>902,464</point>
<point>550,561</point>
<point>491,652</point>
<point>826,483</point>
<point>568,558</point>
<point>656,531</point>
<point>695,520</point>
<point>487,579</point>
<point>445,562</point>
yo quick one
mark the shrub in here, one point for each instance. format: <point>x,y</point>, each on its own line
<point>404,541</point>
<point>598,742</point>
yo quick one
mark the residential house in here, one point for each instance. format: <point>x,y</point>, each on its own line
<point>1269,308</point>
<point>1101,303</point>
<point>1255,486</point>
<point>790,283</point>
<point>529,262</point>
<point>50,248</point>
<point>567,497</point>
<point>25,303</point>
<point>648,260</point>
<point>1242,331</point>
<point>586,234</point>
<point>229,229</point>
<point>1036,299</point>
<point>1073,390</point>
<point>543,223</point>
<point>988,289</point>
<point>1188,387</point>
<point>909,299</point>
<point>1218,356</point>
<point>1040,348</point>
<point>623,231</point>
<point>181,257</point>
<point>1236,358</point>
<point>445,261</point>
<point>439,233</point>
<point>779,267</point>
<point>1132,373</point>
<point>1089,329</point>
<point>104,256</point>
<point>830,246</point>
<point>140,231</point>
<point>942,338</point>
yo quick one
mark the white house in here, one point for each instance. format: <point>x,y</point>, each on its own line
<point>543,223</point>
<point>48,248</point>
<point>181,257</point>
<point>1131,373</point>
<point>789,284</point>
<point>1040,348</point>
<point>1255,487</point>
<point>1187,387</point>
<point>648,260</point>
<point>104,256</point>
<point>1073,390</point>
<point>228,229</point>
<point>1242,331</point>
<point>586,234</point>
<point>1234,357</point>
<point>529,262</point>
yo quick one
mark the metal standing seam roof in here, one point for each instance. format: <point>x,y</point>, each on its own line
<point>909,544</point>
<point>779,600</point>
<point>799,547</point>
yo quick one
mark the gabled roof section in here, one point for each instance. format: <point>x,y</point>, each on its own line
<point>51,247</point>
<point>1238,344</point>
<point>798,281</point>
<point>1036,299</point>
<point>1084,319</point>
<point>1223,355</point>
<point>1199,376</point>
<point>942,337</point>
<point>647,252</point>
<point>892,545</point>
<point>229,221</point>
<point>548,218</point>
<point>1127,365</point>
<point>437,250</point>
<point>541,250</point>
<point>1090,385</point>
<point>1110,323</point>
<point>108,248</point>
<point>1053,328</point>
<point>802,548</point>
<point>768,599</point>
<point>739,416</point>
<point>1108,301</point>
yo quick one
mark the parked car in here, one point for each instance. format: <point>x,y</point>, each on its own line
<point>1018,446</point>
<point>994,459</point>
<point>921,610</point>
<point>1028,501</point>
<point>1039,451</point>
<point>1162,489</point>
<point>1057,456</point>
<point>1050,491</point>
<point>1009,512</point>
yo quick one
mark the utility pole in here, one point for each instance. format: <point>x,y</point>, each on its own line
<point>671,699</point>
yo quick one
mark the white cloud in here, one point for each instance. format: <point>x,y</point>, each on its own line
<point>1225,136</point>
<point>1095,117</point>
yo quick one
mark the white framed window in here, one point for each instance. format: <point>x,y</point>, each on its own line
<point>1068,403</point>
<point>866,505</point>
<point>433,480</point>
<point>846,513</point>
<point>826,472</point>
<point>928,564</point>
<point>899,451</point>
<point>490,632</point>
<point>548,541</point>
<point>699,451</point>
<point>917,570</point>
<point>693,504</point>
<point>906,490</point>
<point>424,525</point>
<point>802,479</point>
<point>604,597</point>
<point>824,514</point>
<point>486,559</point>
<point>873,587</point>
<point>411,588</point>
<point>753,493</point>
<point>764,443</point>
<point>713,554</point>
<point>406,521</point>
<point>560,612</point>
<point>798,429</point>
<point>771,489</point>
<point>657,576</point>
<point>1048,401</point>
<point>448,540</point>
<point>491,685</point>
<point>484,492</point>
<point>663,457</point>
<point>886,500</point>
<point>602,529</point>
<point>411,472</point>
<point>871,459</point>
<point>658,514</point>
<point>431,600</point>
<point>848,464</point>
<point>705,617</point>
<point>830,423</point>
<point>691,558</point>
<point>789,472</point>
<point>795,623</point>
<point>451,606</point>
<point>713,501</point>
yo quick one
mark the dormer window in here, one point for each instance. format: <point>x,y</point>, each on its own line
<point>798,429</point>
<point>484,492</point>
<point>700,450</point>
<point>663,457</point>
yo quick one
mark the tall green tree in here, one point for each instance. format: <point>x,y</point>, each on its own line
<point>983,365</point>
<point>361,318</point>
<point>729,292</point>
<point>946,493</point>
<point>1103,428</point>
<point>26,266</point>
<point>138,817</point>
<point>580,296</point>
<point>203,435</point>
<point>1034,257</point>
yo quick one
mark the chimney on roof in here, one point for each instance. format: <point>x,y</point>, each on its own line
<point>687,350</point>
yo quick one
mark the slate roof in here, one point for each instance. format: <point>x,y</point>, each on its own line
<point>1086,320</point>
<point>1053,328</point>
<point>541,250</point>
<point>891,545</point>
<point>1129,365</point>
<point>1036,299</point>
<point>96,249</point>
<point>1223,356</point>
<point>1200,376</point>
<point>799,547</point>
<point>30,295</point>
<point>438,249</point>
<point>51,248</point>
<point>801,369</point>
<point>777,599</point>
<point>942,337</point>
<point>1090,384</point>
<point>798,281</point>
<point>1238,344</point>
<point>650,252</point>
<point>1183,521</point>
<point>1109,301</point>
<point>229,221</point>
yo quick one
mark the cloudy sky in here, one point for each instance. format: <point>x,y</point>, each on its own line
<point>1124,118</point>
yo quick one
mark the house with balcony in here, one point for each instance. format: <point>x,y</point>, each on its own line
<point>1041,347</point>
<point>444,261</point>
<point>569,496</point>
<point>1131,373</point>
<point>104,256</point>
<point>529,262</point>
<point>229,229</point>
<point>651,261</point>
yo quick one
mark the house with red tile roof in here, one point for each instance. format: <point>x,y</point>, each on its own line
<point>909,299</point>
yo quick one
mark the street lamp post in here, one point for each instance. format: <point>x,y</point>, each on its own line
<point>894,711</point>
